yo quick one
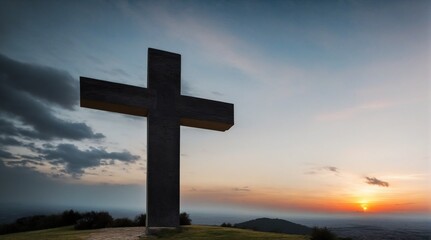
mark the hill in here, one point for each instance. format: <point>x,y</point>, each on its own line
<point>187,232</point>
<point>274,225</point>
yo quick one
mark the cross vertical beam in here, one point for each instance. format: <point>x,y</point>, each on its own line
<point>163,140</point>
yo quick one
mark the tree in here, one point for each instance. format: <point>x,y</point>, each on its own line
<point>70,217</point>
<point>226,225</point>
<point>141,220</point>
<point>185,219</point>
<point>94,220</point>
<point>322,234</point>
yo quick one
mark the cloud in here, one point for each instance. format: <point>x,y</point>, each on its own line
<point>6,155</point>
<point>29,93</point>
<point>322,170</point>
<point>331,169</point>
<point>44,83</point>
<point>375,181</point>
<point>76,160</point>
<point>24,87</point>
<point>8,141</point>
<point>32,98</point>
<point>242,189</point>
<point>26,163</point>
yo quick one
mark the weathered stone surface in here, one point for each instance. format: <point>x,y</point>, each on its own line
<point>115,97</point>
<point>166,110</point>
<point>163,140</point>
<point>203,113</point>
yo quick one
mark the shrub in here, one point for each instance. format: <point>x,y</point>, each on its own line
<point>70,217</point>
<point>94,220</point>
<point>32,223</point>
<point>322,234</point>
<point>185,219</point>
<point>141,220</point>
<point>226,225</point>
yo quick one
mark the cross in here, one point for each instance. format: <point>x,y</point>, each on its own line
<point>166,109</point>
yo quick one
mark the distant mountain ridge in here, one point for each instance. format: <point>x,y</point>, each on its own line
<point>274,225</point>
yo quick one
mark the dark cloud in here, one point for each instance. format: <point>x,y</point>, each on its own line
<point>31,157</point>
<point>8,141</point>
<point>6,155</point>
<point>331,169</point>
<point>28,93</point>
<point>7,128</point>
<point>375,181</point>
<point>45,83</point>
<point>26,163</point>
<point>31,96</point>
<point>75,160</point>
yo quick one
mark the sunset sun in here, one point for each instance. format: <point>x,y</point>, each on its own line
<point>364,205</point>
<point>364,208</point>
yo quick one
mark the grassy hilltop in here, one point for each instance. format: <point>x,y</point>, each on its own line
<point>186,232</point>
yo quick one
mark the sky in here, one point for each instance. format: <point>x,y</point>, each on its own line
<point>332,104</point>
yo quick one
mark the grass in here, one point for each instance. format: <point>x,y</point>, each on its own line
<point>220,233</point>
<point>66,233</point>
<point>187,232</point>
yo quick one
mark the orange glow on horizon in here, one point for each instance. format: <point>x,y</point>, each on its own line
<point>311,202</point>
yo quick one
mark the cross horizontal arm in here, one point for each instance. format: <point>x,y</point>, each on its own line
<point>115,97</point>
<point>203,113</point>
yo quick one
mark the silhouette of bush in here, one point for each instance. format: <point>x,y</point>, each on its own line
<point>70,217</point>
<point>8,228</point>
<point>226,225</point>
<point>322,234</point>
<point>94,220</point>
<point>32,223</point>
<point>81,221</point>
<point>185,219</point>
<point>141,220</point>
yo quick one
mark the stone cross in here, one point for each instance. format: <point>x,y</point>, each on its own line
<point>166,109</point>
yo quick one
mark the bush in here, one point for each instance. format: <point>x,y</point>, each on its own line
<point>185,219</point>
<point>94,220</point>
<point>322,234</point>
<point>70,217</point>
<point>226,225</point>
<point>141,220</point>
<point>88,220</point>
<point>32,223</point>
